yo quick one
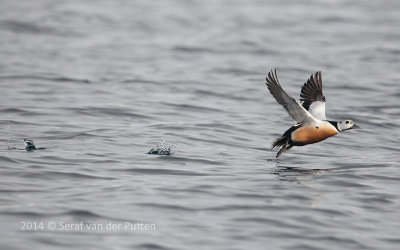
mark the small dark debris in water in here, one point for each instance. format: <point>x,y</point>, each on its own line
<point>161,149</point>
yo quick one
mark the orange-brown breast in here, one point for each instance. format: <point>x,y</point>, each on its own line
<point>311,134</point>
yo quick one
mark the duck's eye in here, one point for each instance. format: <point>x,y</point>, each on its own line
<point>340,122</point>
<point>347,122</point>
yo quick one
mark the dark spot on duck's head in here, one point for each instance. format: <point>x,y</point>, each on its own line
<point>347,122</point>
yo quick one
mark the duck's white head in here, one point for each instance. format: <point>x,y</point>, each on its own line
<point>28,142</point>
<point>347,124</point>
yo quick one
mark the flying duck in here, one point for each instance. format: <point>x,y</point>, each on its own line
<point>311,124</point>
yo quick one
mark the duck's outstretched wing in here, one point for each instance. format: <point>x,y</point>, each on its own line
<point>312,97</point>
<point>298,113</point>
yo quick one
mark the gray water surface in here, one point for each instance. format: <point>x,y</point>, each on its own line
<point>98,84</point>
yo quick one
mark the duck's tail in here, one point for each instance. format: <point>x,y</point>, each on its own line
<point>283,141</point>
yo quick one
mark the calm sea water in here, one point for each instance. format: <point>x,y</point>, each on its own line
<point>98,84</point>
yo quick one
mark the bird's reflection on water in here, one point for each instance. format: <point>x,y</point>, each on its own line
<point>286,173</point>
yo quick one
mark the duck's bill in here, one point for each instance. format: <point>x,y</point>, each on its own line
<point>356,126</point>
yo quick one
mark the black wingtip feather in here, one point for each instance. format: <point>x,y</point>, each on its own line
<point>312,90</point>
<point>272,78</point>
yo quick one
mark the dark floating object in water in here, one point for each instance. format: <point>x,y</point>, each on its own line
<point>161,149</point>
<point>29,145</point>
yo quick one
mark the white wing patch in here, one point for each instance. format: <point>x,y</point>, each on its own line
<point>317,109</point>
